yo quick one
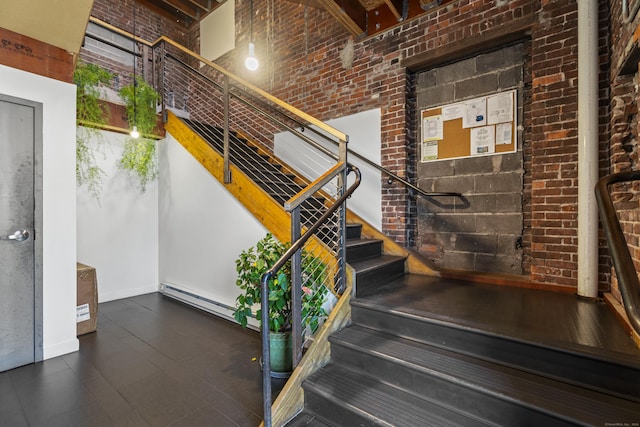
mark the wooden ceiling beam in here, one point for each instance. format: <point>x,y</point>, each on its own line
<point>350,13</point>
<point>162,9</point>
<point>184,8</point>
<point>311,3</point>
<point>396,7</point>
<point>206,8</point>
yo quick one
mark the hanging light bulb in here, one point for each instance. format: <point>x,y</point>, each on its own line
<point>251,62</point>
<point>134,132</point>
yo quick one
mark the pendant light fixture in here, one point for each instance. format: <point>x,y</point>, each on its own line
<point>134,131</point>
<point>251,62</point>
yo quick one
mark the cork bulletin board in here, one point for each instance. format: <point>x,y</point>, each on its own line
<point>475,127</point>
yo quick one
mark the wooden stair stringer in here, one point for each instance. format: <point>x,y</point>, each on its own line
<point>266,210</point>
<point>290,401</point>
<point>262,206</point>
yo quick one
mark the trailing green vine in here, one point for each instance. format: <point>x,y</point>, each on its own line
<point>139,156</point>
<point>90,116</point>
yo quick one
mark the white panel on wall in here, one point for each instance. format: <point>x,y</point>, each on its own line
<point>203,229</point>
<point>118,235</point>
<point>59,201</point>
<point>364,138</point>
<point>218,31</point>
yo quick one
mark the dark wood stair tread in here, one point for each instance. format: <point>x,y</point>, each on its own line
<point>526,314</point>
<point>379,403</point>
<point>420,362</point>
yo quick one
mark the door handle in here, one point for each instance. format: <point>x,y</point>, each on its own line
<point>18,236</point>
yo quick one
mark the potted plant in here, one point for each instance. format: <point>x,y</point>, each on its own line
<point>250,266</point>
<point>139,156</point>
<point>91,114</point>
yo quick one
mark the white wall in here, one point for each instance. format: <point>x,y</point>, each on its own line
<point>119,234</point>
<point>202,227</point>
<point>218,31</point>
<point>59,201</point>
<point>364,138</point>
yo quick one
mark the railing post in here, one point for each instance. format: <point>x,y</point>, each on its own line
<point>227,170</point>
<point>342,222</point>
<point>159,63</point>
<point>266,352</point>
<point>296,290</point>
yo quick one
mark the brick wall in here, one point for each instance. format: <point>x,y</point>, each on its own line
<point>300,48</point>
<point>551,244</point>
<point>622,153</point>
<point>302,66</point>
<point>149,26</point>
<point>27,54</point>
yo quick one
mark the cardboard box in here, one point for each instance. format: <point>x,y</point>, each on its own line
<point>87,307</point>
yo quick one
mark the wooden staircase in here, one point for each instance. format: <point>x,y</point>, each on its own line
<point>427,351</point>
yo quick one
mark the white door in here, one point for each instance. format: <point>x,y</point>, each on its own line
<point>18,320</point>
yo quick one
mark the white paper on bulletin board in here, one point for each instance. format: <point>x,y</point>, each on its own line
<point>432,128</point>
<point>475,113</point>
<point>504,133</point>
<point>483,140</point>
<point>452,111</point>
<point>429,151</point>
<point>500,108</point>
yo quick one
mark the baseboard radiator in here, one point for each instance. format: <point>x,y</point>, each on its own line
<point>198,301</point>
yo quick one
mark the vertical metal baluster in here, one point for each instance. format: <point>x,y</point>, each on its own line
<point>266,353</point>
<point>342,221</point>
<point>296,290</point>
<point>227,170</point>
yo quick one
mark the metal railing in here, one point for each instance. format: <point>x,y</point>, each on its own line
<point>190,90</point>
<point>333,218</point>
<point>620,254</point>
<point>298,128</point>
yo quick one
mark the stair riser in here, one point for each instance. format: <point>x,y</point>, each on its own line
<point>279,189</point>
<point>277,180</point>
<point>334,413</point>
<point>549,362</point>
<point>367,283</point>
<point>450,392</point>
<point>354,231</point>
<point>366,403</point>
<point>363,251</point>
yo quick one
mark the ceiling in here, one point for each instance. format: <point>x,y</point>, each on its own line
<point>359,17</point>
<point>54,22</point>
<point>184,11</point>
<point>49,21</point>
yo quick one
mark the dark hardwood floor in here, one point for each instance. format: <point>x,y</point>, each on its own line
<point>152,362</point>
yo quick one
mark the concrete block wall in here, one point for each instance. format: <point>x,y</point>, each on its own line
<point>482,232</point>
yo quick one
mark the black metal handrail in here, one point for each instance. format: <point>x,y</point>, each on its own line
<point>622,260</point>
<point>296,247</point>
<point>383,170</point>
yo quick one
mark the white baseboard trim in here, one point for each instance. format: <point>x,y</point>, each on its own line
<point>60,349</point>
<point>133,292</point>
